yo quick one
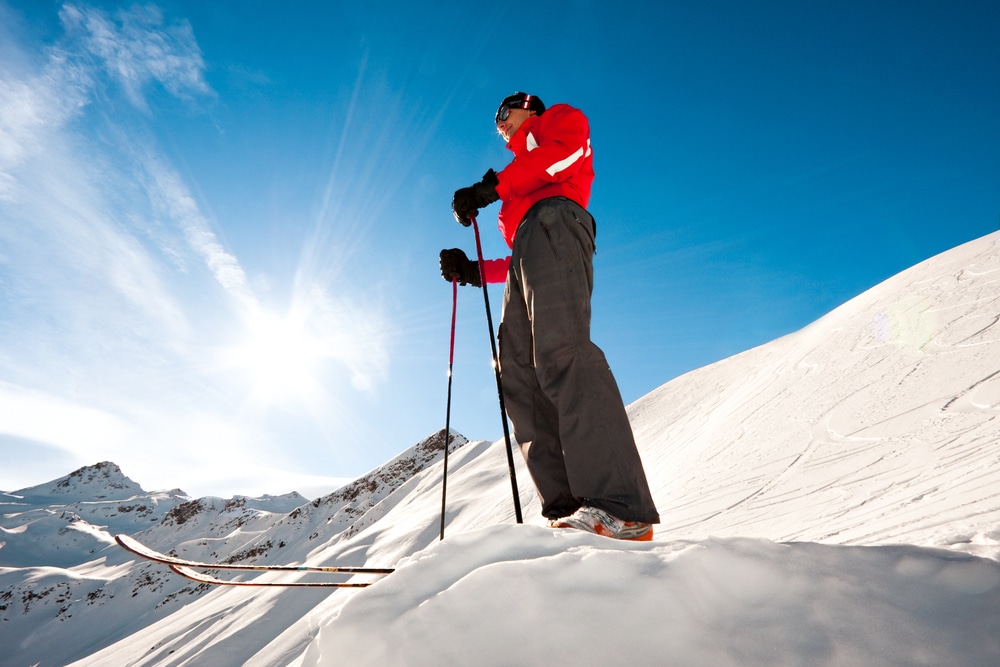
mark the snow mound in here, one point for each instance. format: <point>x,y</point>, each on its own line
<point>511,595</point>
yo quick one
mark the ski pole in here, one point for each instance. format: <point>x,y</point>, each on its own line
<point>496,369</point>
<point>447,417</point>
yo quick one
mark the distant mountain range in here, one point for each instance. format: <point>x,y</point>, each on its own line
<point>66,587</point>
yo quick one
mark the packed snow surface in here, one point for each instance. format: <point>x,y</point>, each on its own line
<point>533,596</point>
<point>831,498</point>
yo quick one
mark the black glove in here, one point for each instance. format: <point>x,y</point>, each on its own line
<point>467,201</point>
<point>454,264</point>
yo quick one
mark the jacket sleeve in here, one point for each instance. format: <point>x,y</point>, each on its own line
<point>555,151</point>
<point>496,270</point>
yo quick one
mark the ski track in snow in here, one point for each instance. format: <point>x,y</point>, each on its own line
<point>860,376</point>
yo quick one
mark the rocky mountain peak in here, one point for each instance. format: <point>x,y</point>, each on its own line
<point>101,481</point>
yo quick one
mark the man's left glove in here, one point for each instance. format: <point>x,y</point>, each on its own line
<point>467,201</point>
<point>454,264</point>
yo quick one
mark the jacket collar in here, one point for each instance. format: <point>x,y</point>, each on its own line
<point>519,141</point>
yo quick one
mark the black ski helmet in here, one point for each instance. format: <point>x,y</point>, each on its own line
<point>519,101</point>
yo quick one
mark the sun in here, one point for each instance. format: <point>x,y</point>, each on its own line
<point>279,357</point>
<point>305,356</point>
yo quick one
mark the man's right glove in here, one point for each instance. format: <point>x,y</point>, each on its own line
<point>467,201</point>
<point>454,264</point>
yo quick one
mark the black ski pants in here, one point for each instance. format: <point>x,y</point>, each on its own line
<point>562,399</point>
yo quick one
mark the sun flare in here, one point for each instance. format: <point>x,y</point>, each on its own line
<point>302,356</point>
<point>280,358</point>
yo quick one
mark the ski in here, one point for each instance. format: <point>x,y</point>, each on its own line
<point>188,568</point>
<point>203,578</point>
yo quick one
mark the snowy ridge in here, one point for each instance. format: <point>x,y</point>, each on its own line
<point>876,424</point>
<point>365,500</point>
<point>830,498</point>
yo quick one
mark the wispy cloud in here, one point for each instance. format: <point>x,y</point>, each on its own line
<point>116,290</point>
<point>93,324</point>
<point>137,47</point>
<point>172,199</point>
<point>29,414</point>
<point>57,227</point>
<point>32,109</point>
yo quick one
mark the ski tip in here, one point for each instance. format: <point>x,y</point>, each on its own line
<point>130,544</point>
<point>200,577</point>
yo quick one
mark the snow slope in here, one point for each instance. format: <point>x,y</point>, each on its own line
<point>876,425</point>
<point>831,498</point>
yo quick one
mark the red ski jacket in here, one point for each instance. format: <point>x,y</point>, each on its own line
<point>552,158</point>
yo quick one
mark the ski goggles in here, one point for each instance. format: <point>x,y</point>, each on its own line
<point>503,113</point>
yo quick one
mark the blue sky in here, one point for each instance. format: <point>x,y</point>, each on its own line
<point>219,222</point>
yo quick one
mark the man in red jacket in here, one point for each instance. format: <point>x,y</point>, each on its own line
<point>564,405</point>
